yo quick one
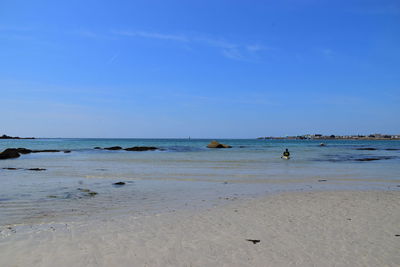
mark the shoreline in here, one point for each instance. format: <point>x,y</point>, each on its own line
<point>325,228</point>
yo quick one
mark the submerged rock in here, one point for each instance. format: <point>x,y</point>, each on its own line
<point>119,183</point>
<point>372,159</point>
<point>46,150</point>
<point>366,148</point>
<point>215,144</point>
<point>9,153</point>
<point>113,148</point>
<point>22,150</point>
<point>67,151</point>
<point>88,192</point>
<point>97,147</point>
<point>141,148</point>
<point>254,241</point>
<point>36,169</point>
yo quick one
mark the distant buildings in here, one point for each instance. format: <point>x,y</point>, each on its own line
<point>340,137</point>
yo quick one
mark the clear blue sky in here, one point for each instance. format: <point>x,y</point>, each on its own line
<point>199,68</point>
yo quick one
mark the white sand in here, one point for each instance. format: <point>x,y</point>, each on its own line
<point>295,229</point>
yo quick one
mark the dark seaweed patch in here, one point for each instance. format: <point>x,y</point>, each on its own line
<point>352,157</point>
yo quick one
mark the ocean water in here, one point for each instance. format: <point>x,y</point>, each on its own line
<point>184,174</point>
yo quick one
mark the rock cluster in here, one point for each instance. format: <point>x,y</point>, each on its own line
<point>11,153</point>
<point>135,148</point>
<point>141,148</point>
<point>215,144</point>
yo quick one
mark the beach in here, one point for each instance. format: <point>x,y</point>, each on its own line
<point>184,204</point>
<point>335,228</point>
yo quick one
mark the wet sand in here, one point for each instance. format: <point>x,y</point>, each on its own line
<point>350,228</point>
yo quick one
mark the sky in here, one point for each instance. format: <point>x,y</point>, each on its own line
<point>205,69</point>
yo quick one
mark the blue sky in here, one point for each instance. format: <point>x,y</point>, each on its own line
<point>199,68</point>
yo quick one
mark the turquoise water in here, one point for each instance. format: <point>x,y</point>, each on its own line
<point>184,174</point>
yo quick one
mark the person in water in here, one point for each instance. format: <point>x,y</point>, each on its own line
<point>286,153</point>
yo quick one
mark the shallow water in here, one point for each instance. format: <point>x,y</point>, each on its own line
<point>184,175</point>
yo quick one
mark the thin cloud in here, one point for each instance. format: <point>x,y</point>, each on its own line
<point>234,51</point>
<point>256,48</point>
<point>153,35</point>
<point>111,60</point>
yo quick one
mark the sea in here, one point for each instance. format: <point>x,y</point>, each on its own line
<point>182,175</point>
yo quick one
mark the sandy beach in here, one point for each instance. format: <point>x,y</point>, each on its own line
<point>348,228</point>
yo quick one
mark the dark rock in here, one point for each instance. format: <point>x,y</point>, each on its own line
<point>89,192</point>
<point>46,150</point>
<point>322,180</point>
<point>366,148</point>
<point>22,150</point>
<point>9,153</point>
<point>322,144</point>
<point>392,149</point>
<point>119,183</point>
<point>36,169</point>
<point>255,241</point>
<point>11,169</point>
<point>113,148</point>
<point>215,144</point>
<point>372,159</point>
<point>97,147</point>
<point>67,151</point>
<point>141,148</point>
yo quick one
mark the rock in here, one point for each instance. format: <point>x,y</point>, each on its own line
<point>141,148</point>
<point>11,169</point>
<point>215,144</point>
<point>97,147</point>
<point>9,153</point>
<point>46,150</point>
<point>113,148</point>
<point>371,159</point>
<point>119,183</point>
<point>22,150</point>
<point>392,149</point>
<point>36,169</point>
<point>89,192</point>
<point>322,180</point>
<point>366,148</point>
<point>255,241</point>
<point>322,144</point>
<point>67,151</point>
